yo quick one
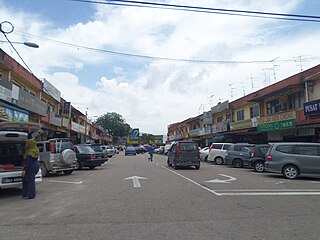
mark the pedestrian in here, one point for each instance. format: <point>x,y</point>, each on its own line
<point>150,150</point>
<point>30,169</point>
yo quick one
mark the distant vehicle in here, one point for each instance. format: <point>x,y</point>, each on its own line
<point>204,152</point>
<point>97,147</point>
<point>184,154</point>
<point>56,155</point>
<point>140,149</point>
<point>13,137</point>
<point>109,150</point>
<point>258,155</point>
<point>130,151</point>
<point>217,152</point>
<point>294,159</point>
<point>166,148</point>
<point>239,155</point>
<point>87,157</point>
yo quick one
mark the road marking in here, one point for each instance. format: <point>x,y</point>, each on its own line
<point>268,193</point>
<point>135,180</point>
<point>222,181</point>
<point>194,182</point>
<point>56,181</point>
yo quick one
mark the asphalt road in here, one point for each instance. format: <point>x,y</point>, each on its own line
<point>215,202</point>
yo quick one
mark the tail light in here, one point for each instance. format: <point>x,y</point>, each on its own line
<point>211,147</point>
<point>198,151</point>
<point>252,153</point>
<point>51,147</point>
<point>177,149</point>
<point>92,157</point>
<point>269,157</point>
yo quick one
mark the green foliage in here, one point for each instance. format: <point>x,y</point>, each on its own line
<point>147,138</point>
<point>115,124</point>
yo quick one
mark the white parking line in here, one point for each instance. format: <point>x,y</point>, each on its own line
<point>194,182</point>
<point>56,181</point>
<point>269,193</point>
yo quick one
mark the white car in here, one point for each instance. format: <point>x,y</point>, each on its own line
<point>217,152</point>
<point>204,152</point>
<point>13,136</point>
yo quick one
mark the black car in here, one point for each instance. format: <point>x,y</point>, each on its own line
<point>258,154</point>
<point>87,157</point>
<point>140,150</point>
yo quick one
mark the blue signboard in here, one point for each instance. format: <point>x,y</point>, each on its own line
<point>134,134</point>
<point>312,108</point>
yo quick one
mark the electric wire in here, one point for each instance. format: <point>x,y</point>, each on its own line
<point>255,14</point>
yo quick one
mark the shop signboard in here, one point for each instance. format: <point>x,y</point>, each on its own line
<point>31,103</point>
<point>312,108</point>
<point>242,124</point>
<point>276,122</point>
<point>74,126</point>
<point>12,115</point>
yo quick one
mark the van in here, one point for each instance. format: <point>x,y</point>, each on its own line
<point>294,159</point>
<point>217,152</point>
<point>184,154</point>
<point>56,155</point>
<point>13,136</point>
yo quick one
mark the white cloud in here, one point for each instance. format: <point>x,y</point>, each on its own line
<point>163,92</point>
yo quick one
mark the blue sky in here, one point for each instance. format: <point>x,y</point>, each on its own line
<point>151,94</point>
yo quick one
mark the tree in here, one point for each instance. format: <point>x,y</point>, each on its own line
<point>147,138</point>
<point>115,124</point>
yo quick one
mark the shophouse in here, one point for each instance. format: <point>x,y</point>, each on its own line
<point>20,92</point>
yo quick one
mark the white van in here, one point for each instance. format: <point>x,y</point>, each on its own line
<point>13,137</point>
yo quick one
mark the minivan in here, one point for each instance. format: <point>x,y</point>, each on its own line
<point>294,159</point>
<point>184,154</point>
<point>13,136</point>
<point>56,155</point>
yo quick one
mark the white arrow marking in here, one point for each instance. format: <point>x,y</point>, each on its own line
<point>222,181</point>
<point>135,180</point>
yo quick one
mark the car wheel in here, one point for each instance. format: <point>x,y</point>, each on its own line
<point>218,160</point>
<point>44,170</point>
<point>169,164</point>
<point>259,166</point>
<point>92,167</point>
<point>197,167</point>
<point>67,172</point>
<point>206,159</point>
<point>78,165</point>
<point>290,172</point>
<point>237,163</point>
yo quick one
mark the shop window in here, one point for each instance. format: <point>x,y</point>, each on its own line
<point>254,111</point>
<point>240,115</point>
<point>273,106</point>
<point>296,100</point>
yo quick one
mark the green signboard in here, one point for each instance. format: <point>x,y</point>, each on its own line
<point>272,126</point>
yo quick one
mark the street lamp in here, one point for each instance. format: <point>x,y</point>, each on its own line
<point>28,44</point>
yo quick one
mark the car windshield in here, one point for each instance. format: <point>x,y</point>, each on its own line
<point>85,149</point>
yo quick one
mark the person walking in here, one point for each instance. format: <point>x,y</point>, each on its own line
<point>150,150</point>
<point>30,169</point>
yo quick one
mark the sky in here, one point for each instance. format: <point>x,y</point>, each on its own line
<point>136,60</point>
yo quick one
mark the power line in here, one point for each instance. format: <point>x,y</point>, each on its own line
<point>153,57</point>
<point>258,14</point>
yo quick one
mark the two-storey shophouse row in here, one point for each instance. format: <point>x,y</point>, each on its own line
<point>288,110</point>
<point>25,98</point>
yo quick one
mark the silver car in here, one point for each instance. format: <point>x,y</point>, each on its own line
<point>294,159</point>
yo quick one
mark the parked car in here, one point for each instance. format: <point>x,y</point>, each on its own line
<point>258,155</point>
<point>97,147</point>
<point>184,154</point>
<point>294,159</point>
<point>166,148</point>
<point>87,157</point>
<point>130,150</point>
<point>13,137</point>
<point>239,155</point>
<point>109,150</point>
<point>217,152</point>
<point>204,152</point>
<point>56,155</point>
<point>140,149</point>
